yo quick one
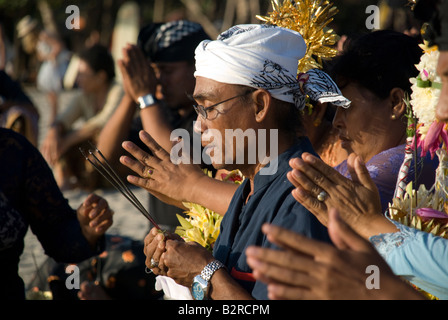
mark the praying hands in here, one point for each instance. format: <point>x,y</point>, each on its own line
<point>357,199</point>
<point>309,269</point>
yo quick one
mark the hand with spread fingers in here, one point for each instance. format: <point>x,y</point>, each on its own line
<point>174,183</point>
<point>158,174</point>
<point>319,187</point>
<point>309,269</point>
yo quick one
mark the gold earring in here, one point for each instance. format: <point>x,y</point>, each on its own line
<point>317,122</point>
<point>394,117</point>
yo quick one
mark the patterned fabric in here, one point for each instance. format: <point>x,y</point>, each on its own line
<point>266,57</point>
<point>321,88</point>
<point>172,41</point>
<point>31,197</point>
<point>12,226</point>
<point>174,31</point>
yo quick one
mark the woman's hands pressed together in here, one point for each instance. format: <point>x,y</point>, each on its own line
<point>357,199</point>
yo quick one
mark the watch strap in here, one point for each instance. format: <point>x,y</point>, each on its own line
<point>147,101</point>
<point>210,269</point>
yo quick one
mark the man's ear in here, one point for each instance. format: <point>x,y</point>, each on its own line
<point>262,104</point>
<point>396,97</point>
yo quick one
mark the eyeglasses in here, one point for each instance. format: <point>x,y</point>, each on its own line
<point>203,111</point>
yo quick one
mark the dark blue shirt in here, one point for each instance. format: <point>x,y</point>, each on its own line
<point>271,202</point>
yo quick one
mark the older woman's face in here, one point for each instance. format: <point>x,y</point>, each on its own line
<point>363,127</point>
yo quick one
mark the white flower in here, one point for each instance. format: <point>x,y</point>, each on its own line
<point>424,99</point>
<point>424,102</point>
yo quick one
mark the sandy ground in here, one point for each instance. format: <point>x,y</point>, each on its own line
<point>128,221</point>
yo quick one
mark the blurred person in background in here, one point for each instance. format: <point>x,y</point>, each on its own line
<point>158,77</point>
<point>93,105</point>
<point>53,56</point>
<point>17,111</point>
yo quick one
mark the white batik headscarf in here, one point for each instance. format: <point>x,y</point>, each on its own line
<point>266,57</point>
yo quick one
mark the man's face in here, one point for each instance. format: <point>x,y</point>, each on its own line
<point>176,80</point>
<point>87,79</point>
<point>442,71</point>
<point>230,115</point>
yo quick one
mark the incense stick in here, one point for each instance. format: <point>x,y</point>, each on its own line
<point>106,170</point>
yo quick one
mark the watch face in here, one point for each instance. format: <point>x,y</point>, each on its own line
<point>197,291</point>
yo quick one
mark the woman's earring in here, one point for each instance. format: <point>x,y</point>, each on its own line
<point>394,117</point>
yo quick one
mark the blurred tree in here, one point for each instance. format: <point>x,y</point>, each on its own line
<point>99,16</point>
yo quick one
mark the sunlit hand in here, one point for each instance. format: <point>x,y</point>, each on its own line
<point>171,183</point>
<point>309,269</point>
<point>155,243</point>
<point>185,260</point>
<point>357,200</point>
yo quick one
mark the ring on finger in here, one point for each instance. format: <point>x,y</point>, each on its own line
<point>154,263</point>
<point>149,173</point>
<point>147,270</point>
<point>322,196</point>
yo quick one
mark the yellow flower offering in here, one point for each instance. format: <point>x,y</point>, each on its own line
<point>203,225</point>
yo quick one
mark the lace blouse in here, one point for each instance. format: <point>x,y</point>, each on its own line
<point>419,257</point>
<point>29,196</point>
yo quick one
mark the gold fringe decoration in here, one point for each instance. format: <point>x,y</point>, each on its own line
<point>310,18</point>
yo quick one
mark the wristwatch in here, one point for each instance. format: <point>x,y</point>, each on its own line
<point>201,283</point>
<point>147,101</point>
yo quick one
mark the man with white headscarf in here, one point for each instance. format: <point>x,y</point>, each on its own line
<point>245,80</point>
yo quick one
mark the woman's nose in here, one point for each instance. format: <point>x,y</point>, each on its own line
<point>338,123</point>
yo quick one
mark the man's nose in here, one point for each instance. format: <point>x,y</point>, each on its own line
<point>199,125</point>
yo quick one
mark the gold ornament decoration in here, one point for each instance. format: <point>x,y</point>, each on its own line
<point>310,18</point>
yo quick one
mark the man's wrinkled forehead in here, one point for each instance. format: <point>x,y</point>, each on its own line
<point>208,89</point>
